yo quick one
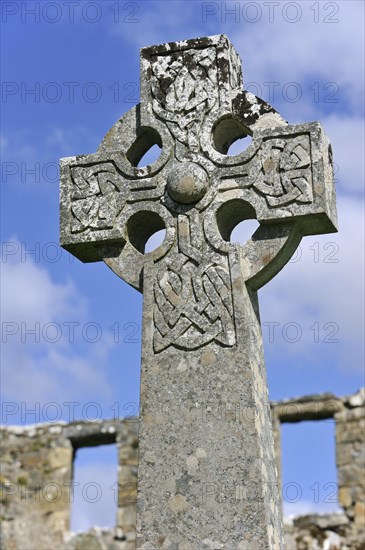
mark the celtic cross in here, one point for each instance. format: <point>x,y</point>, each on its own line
<point>207,475</point>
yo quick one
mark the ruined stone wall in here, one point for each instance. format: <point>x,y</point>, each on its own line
<point>343,531</point>
<point>36,476</point>
<point>37,464</point>
<point>350,457</point>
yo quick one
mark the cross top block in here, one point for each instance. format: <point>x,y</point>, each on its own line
<point>193,107</point>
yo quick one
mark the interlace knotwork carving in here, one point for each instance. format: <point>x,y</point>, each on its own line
<point>184,90</point>
<point>193,307</point>
<point>94,196</point>
<point>99,193</point>
<point>285,175</point>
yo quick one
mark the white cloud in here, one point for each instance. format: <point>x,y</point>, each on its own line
<point>27,150</point>
<point>44,358</point>
<point>155,19</point>
<point>46,375</point>
<point>325,285</point>
<point>346,134</point>
<point>284,52</point>
<point>18,147</point>
<point>66,141</point>
<point>28,294</point>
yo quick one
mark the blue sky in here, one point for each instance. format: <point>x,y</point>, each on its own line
<point>71,331</point>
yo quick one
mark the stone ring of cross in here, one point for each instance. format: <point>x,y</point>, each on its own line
<point>195,190</point>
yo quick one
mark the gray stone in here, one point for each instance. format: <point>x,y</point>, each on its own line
<point>36,474</point>
<point>85,541</point>
<point>323,521</point>
<point>25,464</point>
<point>210,479</point>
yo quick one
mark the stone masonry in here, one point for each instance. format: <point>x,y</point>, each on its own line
<point>37,461</point>
<point>36,472</point>
<point>346,530</point>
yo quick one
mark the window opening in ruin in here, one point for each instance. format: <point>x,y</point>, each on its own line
<point>95,494</point>
<point>309,474</point>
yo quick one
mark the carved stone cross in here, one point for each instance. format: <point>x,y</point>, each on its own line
<point>207,475</point>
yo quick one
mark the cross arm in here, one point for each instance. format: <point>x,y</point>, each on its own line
<point>285,180</point>
<point>286,174</point>
<point>97,188</point>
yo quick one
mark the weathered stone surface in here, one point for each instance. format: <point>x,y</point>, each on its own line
<point>86,541</point>
<point>98,539</point>
<point>350,439</point>
<point>36,472</point>
<point>323,521</point>
<point>348,413</point>
<point>310,407</point>
<point>202,345</point>
<point>314,532</point>
<point>28,526</point>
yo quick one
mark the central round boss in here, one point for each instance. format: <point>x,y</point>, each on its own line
<point>187,182</point>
